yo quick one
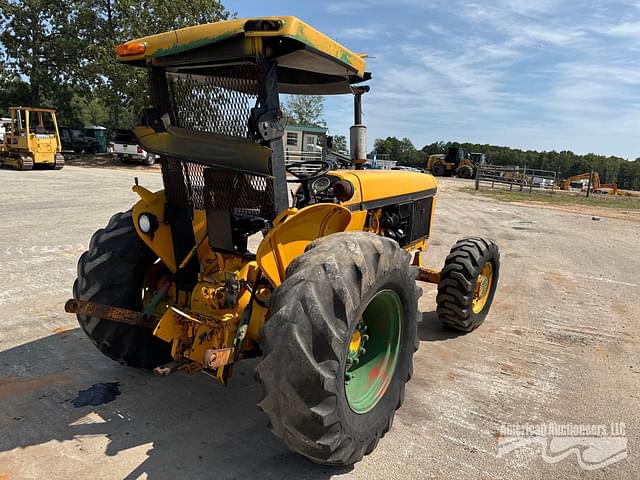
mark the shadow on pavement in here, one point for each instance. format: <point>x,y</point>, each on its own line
<point>192,426</point>
<point>430,329</point>
<point>105,161</point>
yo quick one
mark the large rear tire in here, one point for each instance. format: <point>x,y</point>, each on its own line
<point>112,272</point>
<point>331,386</point>
<point>468,283</point>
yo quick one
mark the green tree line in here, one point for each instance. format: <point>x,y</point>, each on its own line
<point>61,54</point>
<point>611,168</point>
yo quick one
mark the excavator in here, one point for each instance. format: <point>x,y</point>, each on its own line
<point>581,180</point>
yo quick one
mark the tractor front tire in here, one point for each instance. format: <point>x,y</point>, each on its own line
<point>112,272</point>
<point>439,170</point>
<point>468,283</point>
<point>339,346</point>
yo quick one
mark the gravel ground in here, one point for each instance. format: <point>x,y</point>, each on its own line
<point>560,345</point>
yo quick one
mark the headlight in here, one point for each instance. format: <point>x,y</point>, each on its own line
<point>147,223</point>
<point>343,190</point>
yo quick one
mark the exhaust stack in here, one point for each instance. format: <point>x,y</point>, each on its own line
<point>358,132</point>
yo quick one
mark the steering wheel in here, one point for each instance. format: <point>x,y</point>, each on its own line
<point>302,176</point>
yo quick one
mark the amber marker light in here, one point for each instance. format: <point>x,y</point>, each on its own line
<point>130,49</point>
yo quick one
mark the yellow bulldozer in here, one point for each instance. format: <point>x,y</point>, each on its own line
<point>454,162</point>
<point>31,138</point>
<point>222,265</point>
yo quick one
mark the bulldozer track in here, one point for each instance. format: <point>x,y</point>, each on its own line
<point>17,161</point>
<point>58,162</point>
<point>25,162</point>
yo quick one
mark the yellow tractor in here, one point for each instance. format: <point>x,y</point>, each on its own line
<point>32,138</point>
<point>223,265</point>
<point>454,162</point>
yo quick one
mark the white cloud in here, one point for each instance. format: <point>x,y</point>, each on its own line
<point>540,74</point>
<point>534,8</point>
<point>524,23</point>
<point>351,8</point>
<point>345,8</point>
<point>361,33</point>
<point>630,30</point>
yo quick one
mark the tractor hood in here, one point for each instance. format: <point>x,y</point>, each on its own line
<point>377,188</point>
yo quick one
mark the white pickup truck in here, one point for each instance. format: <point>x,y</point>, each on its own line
<point>126,148</point>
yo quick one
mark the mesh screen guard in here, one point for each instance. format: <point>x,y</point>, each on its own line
<point>191,185</point>
<point>219,102</point>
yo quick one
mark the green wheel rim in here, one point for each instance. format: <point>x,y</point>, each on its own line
<point>373,351</point>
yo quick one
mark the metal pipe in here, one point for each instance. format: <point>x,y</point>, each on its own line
<point>358,132</point>
<point>107,312</point>
<point>357,109</point>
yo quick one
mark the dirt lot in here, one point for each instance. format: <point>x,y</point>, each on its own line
<point>560,345</point>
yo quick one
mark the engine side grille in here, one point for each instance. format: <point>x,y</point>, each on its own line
<point>421,218</point>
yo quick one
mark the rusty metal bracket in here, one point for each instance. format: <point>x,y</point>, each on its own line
<point>107,312</point>
<point>417,259</point>
<point>428,275</point>
<point>217,358</point>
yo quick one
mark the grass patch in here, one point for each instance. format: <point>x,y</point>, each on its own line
<point>559,198</point>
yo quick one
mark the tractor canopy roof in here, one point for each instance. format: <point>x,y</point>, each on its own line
<point>309,62</point>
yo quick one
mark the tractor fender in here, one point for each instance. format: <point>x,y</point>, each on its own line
<point>295,229</point>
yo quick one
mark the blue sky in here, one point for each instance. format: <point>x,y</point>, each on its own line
<point>539,74</point>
